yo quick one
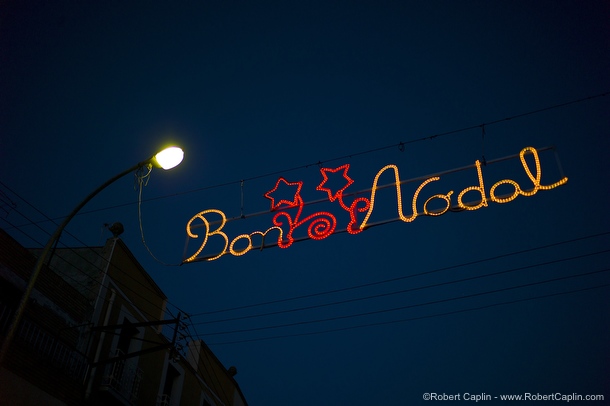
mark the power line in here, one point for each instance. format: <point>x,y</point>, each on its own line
<point>350,156</point>
<point>98,254</point>
<point>376,324</point>
<point>478,261</point>
<point>399,145</point>
<point>396,145</point>
<point>334,318</point>
<point>385,294</point>
<point>76,282</point>
<point>472,262</point>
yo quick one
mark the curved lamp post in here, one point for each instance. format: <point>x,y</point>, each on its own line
<point>166,159</point>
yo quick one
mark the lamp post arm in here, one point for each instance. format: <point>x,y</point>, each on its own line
<point>43,255</point>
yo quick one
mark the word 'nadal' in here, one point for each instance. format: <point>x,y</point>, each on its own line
<point>322,224</point>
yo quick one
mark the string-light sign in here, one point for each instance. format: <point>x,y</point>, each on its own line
<point>288,213</point>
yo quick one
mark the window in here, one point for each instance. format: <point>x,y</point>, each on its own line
<point>170,380</point>
<point>128,332</point>
<point>171,388</point>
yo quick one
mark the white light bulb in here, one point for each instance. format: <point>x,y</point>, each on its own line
<point>169,157</point>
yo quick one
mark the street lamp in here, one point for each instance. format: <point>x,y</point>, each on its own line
<point>168,158</point>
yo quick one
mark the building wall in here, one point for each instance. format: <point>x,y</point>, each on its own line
<point>219,382</point>
<point>94,302</point>
<point>44,349</point>
<point>16,391</point>
<point>129,275</point>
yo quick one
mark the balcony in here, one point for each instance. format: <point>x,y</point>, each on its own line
<point>122,380</point>
<point>164,400</point>
<point>46,346</point>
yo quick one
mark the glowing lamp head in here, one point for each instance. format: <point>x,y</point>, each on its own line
<point>169,157</point>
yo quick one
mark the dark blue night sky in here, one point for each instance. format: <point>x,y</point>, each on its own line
<point>507,299</point>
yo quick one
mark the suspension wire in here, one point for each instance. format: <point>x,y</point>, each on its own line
<point>400,145</point>
<point>243,216</point>
<point>483,160</point>
<point>388,185</point>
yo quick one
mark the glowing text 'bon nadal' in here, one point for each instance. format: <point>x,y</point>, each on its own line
<point>323,224</point>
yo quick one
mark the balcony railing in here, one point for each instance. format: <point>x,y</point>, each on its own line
<point>123,378</point>
<point>42,343</point>
<point>164,400</point>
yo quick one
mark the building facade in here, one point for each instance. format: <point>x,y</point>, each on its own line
<point>96,332</point>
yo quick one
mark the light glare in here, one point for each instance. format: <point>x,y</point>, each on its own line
<point>169,157</point>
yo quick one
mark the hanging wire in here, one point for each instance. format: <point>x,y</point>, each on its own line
<point>243,216</point>
<point>483,160</point>
<point>142,178</point>
<point>141,181</point>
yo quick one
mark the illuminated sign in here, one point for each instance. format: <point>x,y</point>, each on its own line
<point>288,213</point>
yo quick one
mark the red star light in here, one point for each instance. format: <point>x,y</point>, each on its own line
<point>293,203</point>
<point>339,193</point>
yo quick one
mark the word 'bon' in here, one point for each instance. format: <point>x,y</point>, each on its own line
<point>323,224</point>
